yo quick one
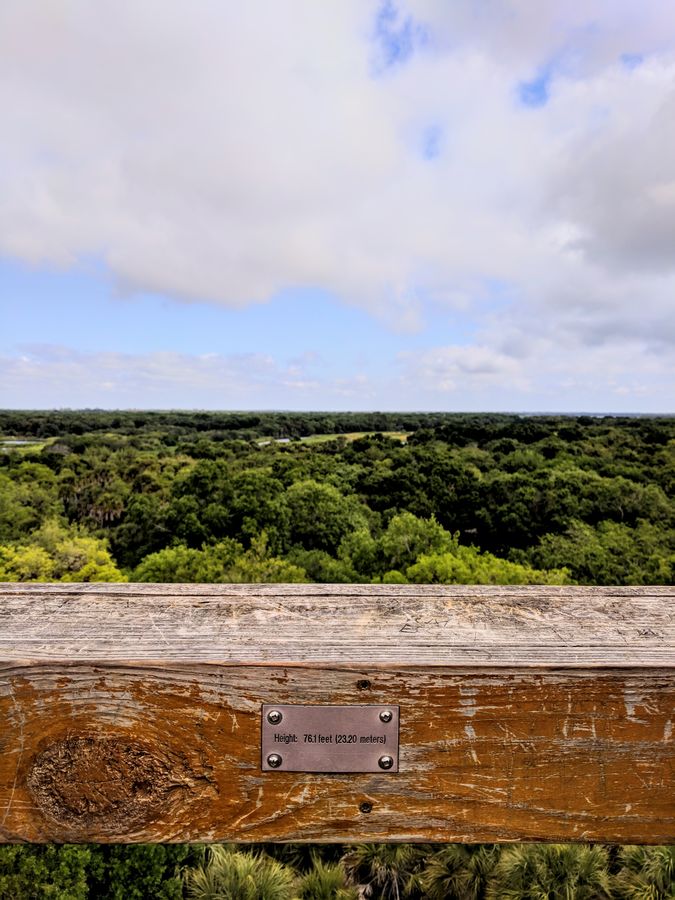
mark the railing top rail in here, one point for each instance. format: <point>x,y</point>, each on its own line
<point>406,625</point>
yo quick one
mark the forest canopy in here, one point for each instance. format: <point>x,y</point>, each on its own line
<point>336,497</point>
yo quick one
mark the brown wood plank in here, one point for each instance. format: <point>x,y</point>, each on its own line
<point>119,722</point>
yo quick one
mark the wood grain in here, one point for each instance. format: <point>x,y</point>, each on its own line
<point>383,624</point>
<point>132,712</point>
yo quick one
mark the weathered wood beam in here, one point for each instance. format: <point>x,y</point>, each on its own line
<point>133,712</point>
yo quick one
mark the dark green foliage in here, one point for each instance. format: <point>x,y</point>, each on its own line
<point>506,484</point>
<point>551,871</point>
<point>459,871</point>
<point>322,568</point>
<point>388,871</point>
<point>74,872</point>
<point>39,873</point>
<point>551,498</point>
<point>139,872</point>
<point>611,553</point>
<point>320,516</point>
<point>336,872</point>
<point>28,495</point>
<point>646,873</point>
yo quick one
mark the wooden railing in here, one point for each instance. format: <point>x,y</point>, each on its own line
<point>135,713</point>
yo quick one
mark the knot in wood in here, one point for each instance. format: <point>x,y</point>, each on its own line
<point>99,782</point>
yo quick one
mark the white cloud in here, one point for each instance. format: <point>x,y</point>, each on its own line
<point>540,372</point>
<point>228,151</point>
<point>63,376</point>
<point>453,369</point>
<point>618,377</point>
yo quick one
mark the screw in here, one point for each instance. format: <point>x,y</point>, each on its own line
<point>274,717</point>
<point>366,807</point>
<point>386,715</point>
<point>385,762</point>
<point>363,684</point>
<point>274,760</point>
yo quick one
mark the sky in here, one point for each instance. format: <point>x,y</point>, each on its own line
<point>338,205</point>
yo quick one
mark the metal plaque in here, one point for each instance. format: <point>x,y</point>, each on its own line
<point>330,738</point>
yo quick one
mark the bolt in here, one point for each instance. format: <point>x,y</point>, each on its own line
<point>274,761</point>
<point>386,715</point>
<point>384,762</point>
<point>274,716</point>
<point>366,807</point>
<point>363,684</point>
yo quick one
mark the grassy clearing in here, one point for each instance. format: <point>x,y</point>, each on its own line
<point>354,436</point>
<point>26,447</point>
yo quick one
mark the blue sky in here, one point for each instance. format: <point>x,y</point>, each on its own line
<point>46,306</point>
<point>346,205</point>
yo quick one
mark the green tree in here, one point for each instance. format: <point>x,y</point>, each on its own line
<point>143,530</point>
<point>646,873</point>
<point>139,871</point>
<point>467,565</point>
<point>553,871</point>
<point>319,516</point>
<point>26,563</point>
<point>228,874</point>
<point>225,561</point>
<point>41,873</point>
<point>93,491</point>
<point>408,537</point>
<point>359,551</point>
<point>610,553</point>
<point>184,565</point>
<point>459,871</point>
<point>323,568</point>
<point>256,566</point>
<point>56,553</point>
<point>200,509</point>
<point>326,881</point>
<point>258,505</point>
<point>28,496</point>
<point>388,871</point>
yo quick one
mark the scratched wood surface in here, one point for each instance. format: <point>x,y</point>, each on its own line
<point>383,624</point>
<point>132,712</point>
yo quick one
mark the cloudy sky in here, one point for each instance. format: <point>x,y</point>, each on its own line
<point>344,204</point>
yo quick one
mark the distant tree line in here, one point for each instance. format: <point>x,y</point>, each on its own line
<point>484,499</point>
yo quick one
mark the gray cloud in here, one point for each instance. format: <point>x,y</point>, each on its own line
<point>618,189</point>
<point>541,374</point>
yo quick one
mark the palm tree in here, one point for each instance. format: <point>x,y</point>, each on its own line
<point>326,881</point>
<point>459,871</point>
<point>229,874</point>
<point>386,871</point>
<point>647,873</point>
<point>551,872</point>
<point>303,857</point>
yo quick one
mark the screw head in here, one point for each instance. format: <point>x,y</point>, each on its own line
<point>385,762</point>
<point>366,807</point>
<point>274,760</point>
<point>274,716</point>
<point>386,715</point>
